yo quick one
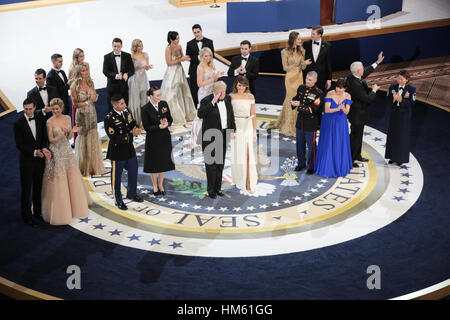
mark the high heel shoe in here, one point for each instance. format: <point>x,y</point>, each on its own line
<point>162,192</point>
<point>157,193</point>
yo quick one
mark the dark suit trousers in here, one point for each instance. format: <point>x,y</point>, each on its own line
<point>356,138</point>
<point>117,166</point>
<point>214,170</point>
<point>194,87</point>
<point>31,174</point>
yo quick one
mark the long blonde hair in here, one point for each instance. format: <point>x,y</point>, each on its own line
<point>75,55</point>
<point>211,62</point>
<point>77,78</point>
<point>135,44</point>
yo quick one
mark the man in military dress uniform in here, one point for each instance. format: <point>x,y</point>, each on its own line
<point>121,128</point>
<point>308,103</point>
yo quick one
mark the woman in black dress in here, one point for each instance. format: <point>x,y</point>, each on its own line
<point>403,96</point>
<point>156,120</point>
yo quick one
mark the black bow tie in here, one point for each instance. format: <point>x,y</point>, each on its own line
<point>402,88</point>
<point>58,71</point>
<point>43,88</point>
<point>117,55</point>
<point>29,119</point>
<point>242,58</point>
<point>315,42</point>
<point>220,100</point>
<point>198,40</point>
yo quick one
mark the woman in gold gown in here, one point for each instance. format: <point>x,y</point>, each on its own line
<point>293,59</point>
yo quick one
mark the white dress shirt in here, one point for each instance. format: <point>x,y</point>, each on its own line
<point>316,49</point>
<point>243,63</point>
<point>44,96</point>
<point>199,44</point>
<point>118,61</point>
<point>223,113</point>
<point>32,125</point>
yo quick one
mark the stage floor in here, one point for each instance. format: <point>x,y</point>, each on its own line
<point>30,37</point>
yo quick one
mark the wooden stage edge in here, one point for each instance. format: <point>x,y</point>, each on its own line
<point>36,4</point>
<point>343,35</point>
<point>6,104</point>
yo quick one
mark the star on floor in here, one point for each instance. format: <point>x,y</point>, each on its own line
<point>210,208</point>
<point>175,245</point>
<point>275,204</point>
<point>263,206</point>
<point>367,133</point>
<point>237,209</point>
<point>306,194</point>
<point>196,207</point>
<point>324,180</point>
<point>134,237</point>
<point>287,201</point>
<point>407,183</point>
<point>398,198</point>
<point>405,190</point>
<point>115,232</point>
<point>314,190</point>
<point>184,205</point>
<point>85,220</point>
<point>99,226</point>
<point>297,198</point>
<point>172,202</point>
<point>251,208</point>
<point>377,139</point>
<point>406,174</point>
<point>223,209</point>
<point>319,185</point>
<point>154,241</point>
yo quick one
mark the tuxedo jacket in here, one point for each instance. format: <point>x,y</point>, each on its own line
<point>192,51</point>
<point>25,141</point>
<point>408,96</point>
<point>110,68</point>
<point>362,97</point>
<point>62,87</point>
<point>119,130</point>
<point>323,63</point>
<point>36,96</point>
<point>210,114</point>
<point>252,68</point>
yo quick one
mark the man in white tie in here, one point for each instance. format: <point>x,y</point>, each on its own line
<point>57,78</point>
<point>218,120</point>
<point>30,135</point>
<point>193,47</point>
<point>245,65</point>
<point>117,67</point>
<point>319,51</point>
<point>42,93</point>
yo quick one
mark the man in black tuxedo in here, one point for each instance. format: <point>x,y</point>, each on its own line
<point>218,118</point>
<point>245,65</point>
<point>319,52</point>
<point>57,78</point>
<point>193,48</point>
<point>42,93</point>
<point>117,67</point>
<point>362,97</point>
<point>121,129</point>
<point>30,135</point>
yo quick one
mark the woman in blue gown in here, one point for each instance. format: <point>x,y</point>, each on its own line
<point>334,158</point>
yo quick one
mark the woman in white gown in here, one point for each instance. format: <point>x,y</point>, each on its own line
<point>175,89</point>
<point>243,164</point>
<point>138,82</point>
<point>206,76</point>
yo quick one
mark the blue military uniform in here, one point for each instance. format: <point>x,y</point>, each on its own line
<point>308,122</point>
<point>121,151</point>
<point>399,131</point>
